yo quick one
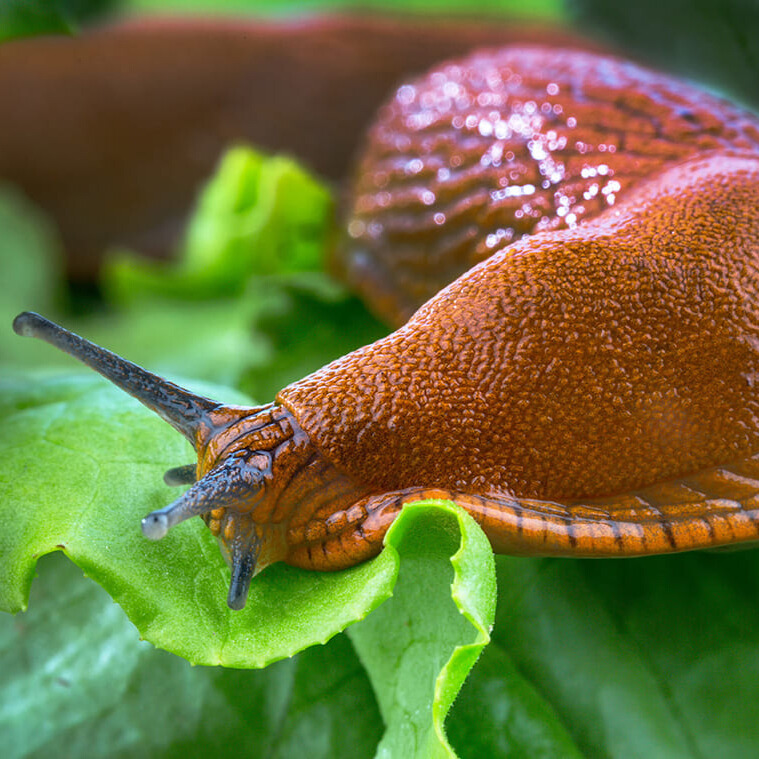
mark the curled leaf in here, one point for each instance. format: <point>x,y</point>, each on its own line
<point>418,647</point>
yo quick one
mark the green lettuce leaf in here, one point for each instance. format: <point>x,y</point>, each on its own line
<point>419,647</point>
<point>640,657</point>
<point>81,463</point>
<point>257,215</point>
<point>501,713</point>
<point>85,686</point>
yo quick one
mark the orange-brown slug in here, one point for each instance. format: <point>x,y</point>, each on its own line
<point>587,390</point>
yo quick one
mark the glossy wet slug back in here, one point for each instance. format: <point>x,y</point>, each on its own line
<point>577,381</point>
<point>482,150</point>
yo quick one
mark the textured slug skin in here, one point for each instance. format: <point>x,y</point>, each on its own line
<point>483,150</point>
<point>588,390</point>
<point>575,364</point>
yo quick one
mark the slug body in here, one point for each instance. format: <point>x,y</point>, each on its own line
<point>587,390</point>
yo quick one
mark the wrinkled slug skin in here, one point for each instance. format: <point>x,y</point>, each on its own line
<point>483,150</point>
<point>572,364</point>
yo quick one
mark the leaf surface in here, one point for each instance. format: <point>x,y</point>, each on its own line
<point>419,647</point>
<point>86,687</point>
<point>81,464</point>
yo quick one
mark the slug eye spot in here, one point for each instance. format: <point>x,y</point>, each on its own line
<point>155,525</point>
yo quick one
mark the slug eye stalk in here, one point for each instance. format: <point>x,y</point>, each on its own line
<point>183,410</point>
<point>225,495</point>
<point>227,486</point>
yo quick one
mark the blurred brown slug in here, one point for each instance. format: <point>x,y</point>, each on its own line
<point>580,237</point>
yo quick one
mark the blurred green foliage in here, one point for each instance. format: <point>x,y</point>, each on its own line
<point>257,216</point>
<point>86,687</point>
<point>27,18</point>
<point>533,8</point>
<point>716,43</point>
<point>81,463</point>
<point>643,658</point>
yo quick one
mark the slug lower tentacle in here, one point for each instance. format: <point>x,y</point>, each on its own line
<point>180,475</point>
<point>587,390</point>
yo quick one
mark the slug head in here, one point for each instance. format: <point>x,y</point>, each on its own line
<point>231,484</point>
<point>236,448</point>
<point>235,489</point>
